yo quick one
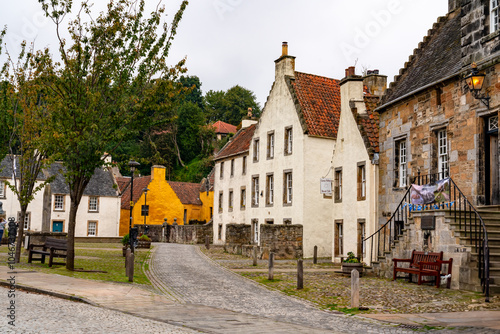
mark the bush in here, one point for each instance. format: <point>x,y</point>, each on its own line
<point>144,238</point>
<point>351,258</point>
<point>125,240</point>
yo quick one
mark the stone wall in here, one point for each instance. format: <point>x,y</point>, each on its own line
<point>40,237</point>
<point>155,231</point>
<point>189,234</point>
<point>442,238</point>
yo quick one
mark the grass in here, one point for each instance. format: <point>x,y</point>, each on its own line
<point>105,257</point>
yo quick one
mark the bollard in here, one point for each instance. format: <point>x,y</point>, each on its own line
<point>131,268</point>
<point>207,242</point>
<point>315,258</point>
<point>271,267</point>
<point>354,289</point>
<point>254,255</point>
<point>127,259</point>
<point>300,274</point>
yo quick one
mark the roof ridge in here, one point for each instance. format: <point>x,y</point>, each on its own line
<point>316,75</point>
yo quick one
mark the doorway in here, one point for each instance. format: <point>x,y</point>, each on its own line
<point>492,186</point>
<point>57,226</point>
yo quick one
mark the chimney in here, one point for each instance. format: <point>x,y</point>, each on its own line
<point>350,71</point>
<point>351,92</point>
<point>285,65</point>
<point>158,172</point>
<point>375,83</point>
<point>249,120</point>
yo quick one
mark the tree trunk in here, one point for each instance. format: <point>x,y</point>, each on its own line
<point>20,233</point>
<point>76,193</point>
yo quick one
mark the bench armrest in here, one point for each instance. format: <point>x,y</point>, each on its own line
<point>400,260</point>
<point>449,263</point>
<point>32,246</point>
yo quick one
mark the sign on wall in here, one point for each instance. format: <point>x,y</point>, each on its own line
<point>326,186</point>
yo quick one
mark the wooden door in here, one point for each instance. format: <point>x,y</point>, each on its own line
<point>494,187</point>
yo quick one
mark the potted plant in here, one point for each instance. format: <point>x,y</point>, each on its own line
<point>125,243</point>
<point>351,263</point>
<point>144,242</point>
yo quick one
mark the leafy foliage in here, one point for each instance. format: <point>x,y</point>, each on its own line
<point>230,106</point>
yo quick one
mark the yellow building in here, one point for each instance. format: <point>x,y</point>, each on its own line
<point>178,202</point>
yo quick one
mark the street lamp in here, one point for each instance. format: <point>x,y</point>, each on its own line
<point>475,82</point>
<point>145,209</point>
<point>133,165</point>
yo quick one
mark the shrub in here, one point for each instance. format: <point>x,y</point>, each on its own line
<point>125,240</point>
<point>144,238</point>
<point>351,258</point>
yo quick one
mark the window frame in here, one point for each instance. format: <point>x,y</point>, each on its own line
<point>288,147</point>
<point>231,174</point>
<point>255,191</point>
<point>230,200</point>
<point>3,189</point>
<point>361,181</point>
<point>219,232</point>
<point>256,149</point>
<point>243,198</point>
<point>287,187</point>
<point>244,166</point>
<point>270,189</point>
<point>255,231</point>
<point>96,228</point>
<point>27,220</point>
<point>96,204</point>
<point>337,190</point>
<point>442,153</point>
<point>270,145</point>
<point>221,201</point>
<point>400,163</point>
<point>63,203</point>
<point>494,15</point>
<point>221,171</point>
<point>339,238</point>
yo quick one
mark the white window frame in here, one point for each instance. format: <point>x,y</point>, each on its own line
<point>221,172</point>
<point>59,204</point>
<point>255,191</point>
<point>288,187</point>
<point>493,123</point>
<point>93,207</point>
<point>27,219</point>
<point>2,189</point>
<point>255,229</point>
<point>270,189</point>
<point>494,15</point>
<point>94,229</point>
<point>288,140</point>
<point>256,149</point>
<point>270,144</point>
<point>232,168</point>
<point>243,198</point>
<point>402,166</point>
<point>442,153</point>
<point>244,166</point>
<point>221,200</point>
<point>231,200</point>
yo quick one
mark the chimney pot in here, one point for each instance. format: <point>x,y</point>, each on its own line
<point>284,49</point>
<point>349,72</point>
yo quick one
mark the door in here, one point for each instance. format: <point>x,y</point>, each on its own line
<point>57,226</point>
<point>492,164</point>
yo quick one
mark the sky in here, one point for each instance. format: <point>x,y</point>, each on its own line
<point>235,42</point>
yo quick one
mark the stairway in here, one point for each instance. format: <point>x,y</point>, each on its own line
<point>491,219</point>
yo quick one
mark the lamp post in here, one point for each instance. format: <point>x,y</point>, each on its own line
<point>475,82</point>
<point>145,209</point>
<point>133,165</point>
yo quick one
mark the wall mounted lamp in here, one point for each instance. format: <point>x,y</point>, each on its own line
<point>475,82</point>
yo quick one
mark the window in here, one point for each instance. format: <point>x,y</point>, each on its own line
<point>92,229</point>
<point>221,197</point>
<point>492,124</point>
<point>442,154</point>
<point>270,189</point>
<point>338,185</point>
<point>256,150</point>
<point>494,20</point>
<point>230,202</point>
<point>93,204</point>
<point>2,189</point>
<point>400,164</point>
<point>219,234</point>
<point>244,166</point>
<point>27,220</point>
<point>361,181</point>
<point>339,238</point>
<point>255,231</point>
<point>59,202</point>
<point>211,212</point>
<point>232,167</point>
<point>221,170</point>
<point>243,198</point>
<point>361,236</point>
<point>270,145</point>
<point>270,221</point>
<point>288,140</point>
<point>287,188</point>
<point>255,191</point>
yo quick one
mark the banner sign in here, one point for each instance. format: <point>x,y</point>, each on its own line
<point>422,207</point>
<point>436,192</point>
<point>326,186</point>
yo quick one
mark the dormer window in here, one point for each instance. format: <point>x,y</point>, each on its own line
<point>494,18</point>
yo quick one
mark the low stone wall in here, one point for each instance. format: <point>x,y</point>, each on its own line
<point>189,234</point>
<point>98,240</point>
<point>40,237</point>
<point>155,231</point>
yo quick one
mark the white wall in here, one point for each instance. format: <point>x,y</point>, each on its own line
<point>35,208</point>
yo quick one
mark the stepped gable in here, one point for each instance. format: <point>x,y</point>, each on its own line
<point>139,184</point>
<point>240,143</point>
<point>188,193</point>
<point>317,100</point>
<point>369,125</point>
<point>436,58</point>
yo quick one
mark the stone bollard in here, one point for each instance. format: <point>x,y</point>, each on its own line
<point>271,266</point>
<point>300,274</point>
<point>315,258</point>
<point>354,288</point>
<point>254,256</point>
<point>207,242</point>
<point>127,258</point>
<point>130,271</point>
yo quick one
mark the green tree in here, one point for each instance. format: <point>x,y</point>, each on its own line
<point>194,94</point>
<point>104,86</point>
<point>189,123</point>
<point>230,106</point>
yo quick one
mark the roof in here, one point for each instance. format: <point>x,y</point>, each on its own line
<point>436,58</point>
<point>238,144</point>
<point>317,100</point>
<point>211,179</point>
<point>222,127</point>
<point>139,184</point>
<point>188,193</point>
<point>369,124</point>
<point>6,169</point>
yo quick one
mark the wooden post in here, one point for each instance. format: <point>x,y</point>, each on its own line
<point>254,256</point>
<point>130,261</point>
<point>271,266</point>
<point>207,242</point>
<point>315,258</point>
<point>300,274</point>
<point>354,288</point>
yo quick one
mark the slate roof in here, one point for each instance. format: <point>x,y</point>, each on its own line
<point>139,184</point>
<point>369,124</point>
<point>222,127</point>
<point>317,100</point>
<point>436,58</point>
<point>188,193</point>
<point>6,169</point>
<point>239,143</point>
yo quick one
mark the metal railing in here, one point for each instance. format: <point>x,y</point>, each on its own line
<point>459,208</point>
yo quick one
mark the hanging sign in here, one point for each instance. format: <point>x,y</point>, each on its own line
<point>326,186</point>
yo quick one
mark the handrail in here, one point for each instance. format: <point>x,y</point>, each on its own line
<point>387,235</point>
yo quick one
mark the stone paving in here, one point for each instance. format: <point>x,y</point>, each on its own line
<point>192,278</point>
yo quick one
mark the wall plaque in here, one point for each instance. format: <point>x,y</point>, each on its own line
<point>428,223</point>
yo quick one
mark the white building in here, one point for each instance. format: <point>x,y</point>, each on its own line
<point>98,214</point>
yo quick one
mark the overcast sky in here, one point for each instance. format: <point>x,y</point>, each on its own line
<point>235,42</point>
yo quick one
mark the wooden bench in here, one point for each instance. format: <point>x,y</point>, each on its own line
<point>424,264</point>
<point>54,248</point>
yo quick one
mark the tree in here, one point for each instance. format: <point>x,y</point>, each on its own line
<point>231,106</point>
<point>112,70</point>
<point>22,108</point>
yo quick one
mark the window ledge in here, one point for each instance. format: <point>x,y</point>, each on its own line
<point>490,37</point>
<point>287,204</point>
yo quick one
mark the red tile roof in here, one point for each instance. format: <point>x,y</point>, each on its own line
<point>139,184</point>
<point>318,103</point>
<point>221,127</point>
<point>370,124</point>
<point>188,193</point>
<point>240,143</point>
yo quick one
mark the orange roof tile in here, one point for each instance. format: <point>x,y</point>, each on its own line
<point>139,184</point>
<point>240,143</point>
<point>188,193</point>
<point>222,127</point>
<point>370,124</point>
<point>318,103</point>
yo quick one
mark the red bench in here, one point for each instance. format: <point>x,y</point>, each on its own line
<point>424,264</point>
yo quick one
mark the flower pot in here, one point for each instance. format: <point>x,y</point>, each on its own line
<point>348,267</point>
<point>143,244</point>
